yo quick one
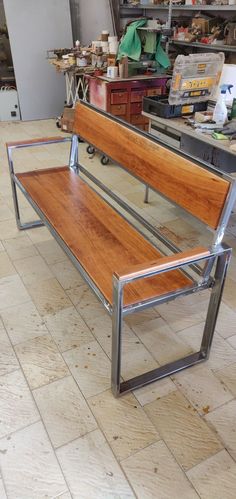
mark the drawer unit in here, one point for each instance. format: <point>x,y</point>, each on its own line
<point>119,97</point>
<point>137,95</point>
<point>118,109</point>
<point>124,99</point>
<point>138,119</point>
<point>154,91</point>
<point>136,108</point>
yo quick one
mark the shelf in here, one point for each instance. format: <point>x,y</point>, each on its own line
<point>180,7</point>
<point>224,48</point>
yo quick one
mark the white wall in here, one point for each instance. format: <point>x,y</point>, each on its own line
<point>34,27</point>
<point>89,18</point>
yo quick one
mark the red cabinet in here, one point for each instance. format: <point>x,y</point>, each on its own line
<point>123,98</point>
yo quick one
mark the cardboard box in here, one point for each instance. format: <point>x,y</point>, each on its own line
<point>67,120</point>
<point>205,25</point>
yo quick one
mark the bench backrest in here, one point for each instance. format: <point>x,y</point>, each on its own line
<point>200,191</point>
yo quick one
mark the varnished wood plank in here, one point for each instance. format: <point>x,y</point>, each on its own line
<point>33,141</point>
<point>99,238</point>
<point>201,192</point>
<point>164,263</point>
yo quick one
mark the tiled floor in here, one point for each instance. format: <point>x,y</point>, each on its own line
<point>62,434</point>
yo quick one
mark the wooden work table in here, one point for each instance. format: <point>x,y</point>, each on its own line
<point>176,132</point>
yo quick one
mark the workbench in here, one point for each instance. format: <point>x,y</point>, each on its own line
<point>176,132</point>
<point>123,97</point>
<point>76,82</point>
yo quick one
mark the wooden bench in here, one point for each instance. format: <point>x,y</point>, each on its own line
<point>125,270</point>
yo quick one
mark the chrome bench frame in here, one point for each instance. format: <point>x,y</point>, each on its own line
<point>216,263</point>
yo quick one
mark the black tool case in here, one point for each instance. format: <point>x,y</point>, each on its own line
<point>160,107</point>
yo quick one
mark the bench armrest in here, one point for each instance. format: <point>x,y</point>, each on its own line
<point>163,264</point>
<point>36,142</point>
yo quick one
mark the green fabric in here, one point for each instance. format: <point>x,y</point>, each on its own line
<point>149,41</point>
<point>131,46</point>
<point>161,56</point>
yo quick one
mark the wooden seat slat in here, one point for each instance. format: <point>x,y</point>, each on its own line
<point>199,191</point>
<point>99,238</point>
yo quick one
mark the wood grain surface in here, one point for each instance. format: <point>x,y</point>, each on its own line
<point>164,263</point>
<point>201,192</point>
<point>98,237</point>
<point>33,141</point>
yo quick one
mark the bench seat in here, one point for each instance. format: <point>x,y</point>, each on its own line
<point>98,237</point>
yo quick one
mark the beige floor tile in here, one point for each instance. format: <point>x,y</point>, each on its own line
<point>101,328</point>
<point>8,229</point>
<point>228,377</point>
<point>153,472</point>
<point>12,292</point>
<point>2,490</point>
<point>48,296</point>
<point>23,322</point>
<point>90,367</point>
<point>8,360</point>
<point>68,329</point>
<point>232,341</point>
<point>158,337</point>
<point>221,355</point>
<point>38,235</point>
<point>67,495</point>
<point>17,406</point>
<point>29,467</point>
<point>6,267</point>
<point>135,357</point>
<point>183,430</point>
<point>154,391</point>
<point>226,322</point>
<point>124,423</point>
<point>215,478</point>
<point>223,421</point>
<point>229,295</point>
<point>5,212</point>
<point>51,251</point>
<point>202,388</point>
<point>20,247</point>
<point>1,247</point>
<point>41,361</point>
<point>66,274</point>
<point>65,413</point>
<point>140,317</point>
<point>86,303</point>
<point>184,312</point>
<point>33,269</point>
<point>100,476</point>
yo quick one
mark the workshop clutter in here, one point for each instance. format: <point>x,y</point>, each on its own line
<point>206,28</point>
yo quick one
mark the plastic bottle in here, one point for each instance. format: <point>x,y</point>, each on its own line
<point>220,112</point>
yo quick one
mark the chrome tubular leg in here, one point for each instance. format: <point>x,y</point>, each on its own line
<point>146,198</point>
<point>214,304</point>
<point>74,153</point>
<point>117,318</point>
<point>20,225</point>
<point>16,204</point>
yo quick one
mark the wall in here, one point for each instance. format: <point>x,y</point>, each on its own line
<point>2,14</point>
<point>89,18</point>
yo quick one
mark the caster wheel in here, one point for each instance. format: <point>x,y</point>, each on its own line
<point>90,150</point>
<point>58,122</point>
<point>104,160</point>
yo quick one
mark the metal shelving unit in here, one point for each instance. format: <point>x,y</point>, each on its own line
<point>216,47</point>
<point>185,9</point>
<point>179,7</point>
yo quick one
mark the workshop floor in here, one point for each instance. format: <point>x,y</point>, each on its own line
<point>62,434</point>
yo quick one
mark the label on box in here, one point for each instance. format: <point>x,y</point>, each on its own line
<point>187,109</point>
<point>198,83</point>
